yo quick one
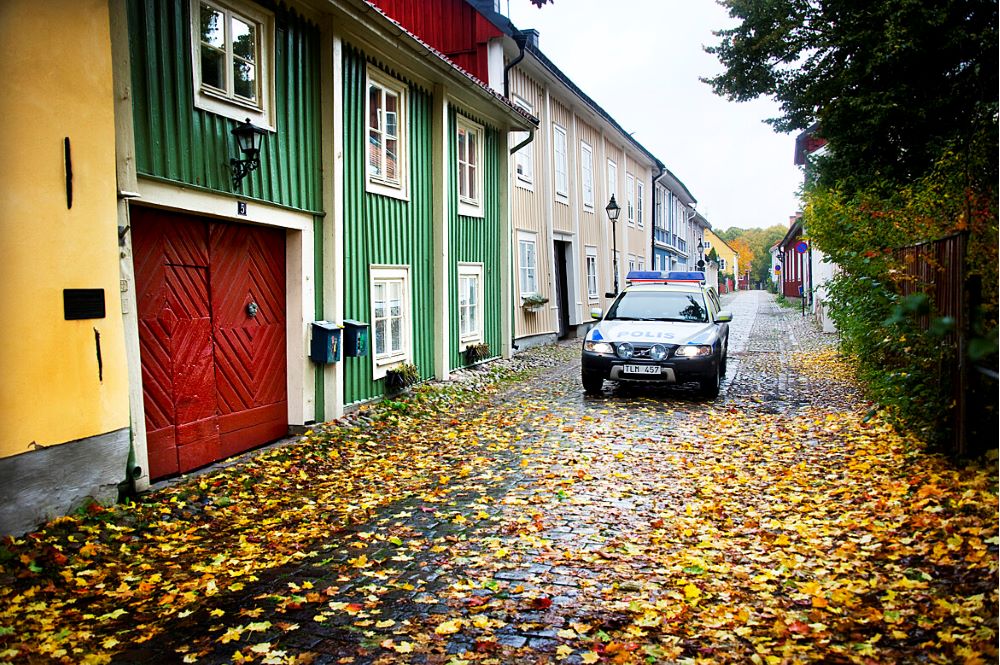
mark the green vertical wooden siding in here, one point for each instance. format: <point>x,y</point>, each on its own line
<point>380,230</point>
<point>176,141</point>
<point>476,240</point>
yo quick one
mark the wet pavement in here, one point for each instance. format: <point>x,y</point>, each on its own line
<point>527,522</point>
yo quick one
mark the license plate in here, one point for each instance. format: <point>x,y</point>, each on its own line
<point>641,369</point>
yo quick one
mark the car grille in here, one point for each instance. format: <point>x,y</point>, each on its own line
<point>641,351</point>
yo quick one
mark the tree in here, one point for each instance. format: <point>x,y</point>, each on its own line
<point>892,83</point>
<point>756,255</point>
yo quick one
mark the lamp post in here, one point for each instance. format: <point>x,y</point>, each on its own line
<point>701,255</point>
<point>613,211</point>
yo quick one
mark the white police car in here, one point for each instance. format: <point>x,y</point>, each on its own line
<point>664,327</point>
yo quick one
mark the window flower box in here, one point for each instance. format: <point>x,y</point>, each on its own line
<point>533,302</point>
<point>475,353</point>
<point>401,376</point>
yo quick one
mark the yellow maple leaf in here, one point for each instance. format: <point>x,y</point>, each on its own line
<point>691,592</point>
<point>449,627</point>
<point>564,651</point>
<point>589,658</point>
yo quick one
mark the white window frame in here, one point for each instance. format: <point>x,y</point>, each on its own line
<point>593,273</point>
<point>613,180</point>
<point>470,206</point>
<point>470,271</point>
<point>524,159</point>
<point>376,184</point>
<point>560,163</point>
<point>524,271</point>
<point>630,198</point>
<point>631,263</point>
<point>587,175</point>
<point>382,363</point>
<point>639,194</point>
<point>224,102</point>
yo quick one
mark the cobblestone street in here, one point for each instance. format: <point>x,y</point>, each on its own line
<point>640,525</point>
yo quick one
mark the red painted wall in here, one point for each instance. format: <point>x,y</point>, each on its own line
<point>453,27</point>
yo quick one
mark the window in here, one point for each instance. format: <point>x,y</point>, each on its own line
<point>524,159</point>
<point>390,316</point>
<point>561,160</point>
<point>630,199</point>
<point>612,180</point>
<point>386,103</point>
<point>631,263</point>
<point>587,174</point>
<point>638,205</point>
<point>592,273</point>
<point>722,264</point>
<point>232,46</point>
<point>527,263</point>
<point>470,302</point>
<point>470,171</point>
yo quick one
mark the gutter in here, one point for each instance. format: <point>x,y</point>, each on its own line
<point>652,233</point>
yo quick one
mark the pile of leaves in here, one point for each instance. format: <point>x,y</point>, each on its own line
<point>524,523</point>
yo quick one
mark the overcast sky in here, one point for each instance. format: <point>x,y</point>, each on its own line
<point>640,60</point>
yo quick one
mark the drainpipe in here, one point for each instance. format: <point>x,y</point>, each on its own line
<point>652,231</point>
<point>521,39</point>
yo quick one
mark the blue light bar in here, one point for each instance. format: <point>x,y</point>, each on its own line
<point>665,276</point>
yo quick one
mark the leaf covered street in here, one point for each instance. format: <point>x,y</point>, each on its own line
<point>504,517</point>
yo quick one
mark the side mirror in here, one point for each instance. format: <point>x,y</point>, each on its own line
<point>610,294</point>
<point>724,316</point>
<point>596,313</point>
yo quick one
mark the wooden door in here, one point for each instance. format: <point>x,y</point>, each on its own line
<point>213,372</point>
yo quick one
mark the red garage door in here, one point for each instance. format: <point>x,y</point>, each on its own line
<point>211,301</point>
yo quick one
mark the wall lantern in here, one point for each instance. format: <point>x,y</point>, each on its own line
<point>249,139</point>
<point>613,211</point>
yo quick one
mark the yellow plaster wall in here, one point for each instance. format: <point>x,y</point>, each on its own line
<point>56,82</point>
<point>724,251</point>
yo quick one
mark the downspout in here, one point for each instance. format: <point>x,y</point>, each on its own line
<point>652,230</point>
<point>521,39</point>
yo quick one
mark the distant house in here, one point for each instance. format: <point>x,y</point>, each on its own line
<point>676,232</point>
<point>728,262</point>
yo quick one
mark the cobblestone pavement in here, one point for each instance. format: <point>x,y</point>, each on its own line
<point>533,538</point>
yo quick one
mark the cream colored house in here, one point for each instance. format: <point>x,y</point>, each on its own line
<point>561,183</point>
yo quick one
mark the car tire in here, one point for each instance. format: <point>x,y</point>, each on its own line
<point>592,384</point>
<point>710,386</point>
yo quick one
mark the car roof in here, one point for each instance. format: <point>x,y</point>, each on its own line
<point>687,287</point>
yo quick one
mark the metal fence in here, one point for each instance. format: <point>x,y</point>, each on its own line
<point>938,269</point>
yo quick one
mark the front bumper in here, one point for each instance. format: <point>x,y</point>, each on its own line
<point>672,370</point>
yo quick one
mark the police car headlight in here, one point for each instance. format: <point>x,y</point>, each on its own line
<point>657,352</point>
<point>693,351</point>
<point>625,351</point>
<point>598,347</point>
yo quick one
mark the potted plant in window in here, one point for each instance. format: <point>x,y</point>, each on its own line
<point>401,376</point>
<point>476,352</point>
<point>533,302</point>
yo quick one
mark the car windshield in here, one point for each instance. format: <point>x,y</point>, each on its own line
<point>659,306</point>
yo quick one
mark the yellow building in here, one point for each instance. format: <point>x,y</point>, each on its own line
<point>729,258</point>
<point>64,394</point>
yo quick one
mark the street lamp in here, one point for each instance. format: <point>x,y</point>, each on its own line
<point>701,255</point>
<point>613,211</point>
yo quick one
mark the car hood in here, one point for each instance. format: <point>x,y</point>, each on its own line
<point>652,332</point>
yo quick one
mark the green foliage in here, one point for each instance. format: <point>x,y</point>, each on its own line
<point>760,242</point>
<point>892,83</point>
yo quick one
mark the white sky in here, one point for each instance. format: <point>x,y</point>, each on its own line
<point>640,61</point>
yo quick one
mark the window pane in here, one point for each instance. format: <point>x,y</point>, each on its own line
<point>244,40</point>
<point>213,67</point>
<point>396,335</point>
<point>391,159</point>
<point>473,155</point>
<point>245,80</point>
<point>379,337</point>
<point>212,27</point>
<point>374,153</point>
<point>391,114</point>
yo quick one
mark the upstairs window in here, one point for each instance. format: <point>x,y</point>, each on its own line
<point>470,172</point>
<point>630,199</point>
<point>386,149</point>
<point>232,47</point>
<point>587,175</point>
<point>524,159</point>
<point>561,163</point>
<point>640,194</point>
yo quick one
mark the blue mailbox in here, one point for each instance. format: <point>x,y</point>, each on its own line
<point>325,345</point>
<point>355,338</point>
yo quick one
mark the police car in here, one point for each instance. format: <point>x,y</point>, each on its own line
<point>664,327</point>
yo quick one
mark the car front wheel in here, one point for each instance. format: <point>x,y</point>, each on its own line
<point>710,385</point>
<point>592,384</point>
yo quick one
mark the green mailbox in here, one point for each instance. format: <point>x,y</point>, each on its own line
<point>355,338</point>
<point>325,345</point>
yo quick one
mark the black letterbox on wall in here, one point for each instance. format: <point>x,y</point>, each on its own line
<point>325,346</point>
